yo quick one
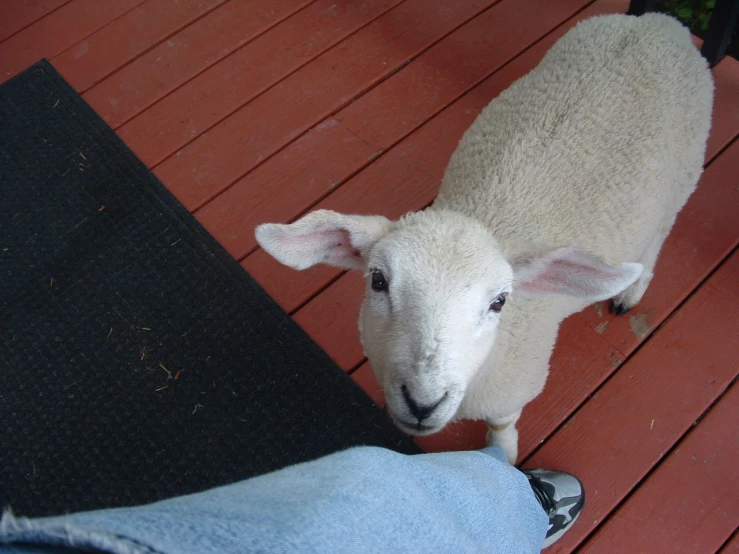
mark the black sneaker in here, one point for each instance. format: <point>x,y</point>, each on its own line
<point>561,495</point>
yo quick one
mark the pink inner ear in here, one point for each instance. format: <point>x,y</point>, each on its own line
<point>540,285</point>
<point>560,274</point>
<point>330,247</point>
<point>340,247</point>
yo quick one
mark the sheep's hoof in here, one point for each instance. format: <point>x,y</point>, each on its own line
<point>617,308</point>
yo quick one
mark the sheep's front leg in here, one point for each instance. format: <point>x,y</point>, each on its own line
<point>502,432</point>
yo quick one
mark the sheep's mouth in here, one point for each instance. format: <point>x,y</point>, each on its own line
<point>415,428</point>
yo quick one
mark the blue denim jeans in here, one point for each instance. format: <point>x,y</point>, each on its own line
<point>359,500</point>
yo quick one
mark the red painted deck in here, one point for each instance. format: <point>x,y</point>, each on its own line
<point>260,110</point>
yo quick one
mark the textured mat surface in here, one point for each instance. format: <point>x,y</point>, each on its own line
<point>137,360</point>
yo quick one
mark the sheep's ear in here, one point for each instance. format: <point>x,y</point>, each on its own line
<point>571,272</point>
<point>324,237</point>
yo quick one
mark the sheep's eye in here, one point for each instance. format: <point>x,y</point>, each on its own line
<point>379,283</point>
<point>498,303</point>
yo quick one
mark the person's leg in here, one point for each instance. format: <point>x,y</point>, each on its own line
<point>359,500</point>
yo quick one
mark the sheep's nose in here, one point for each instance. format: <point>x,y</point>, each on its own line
<point>420,412</point>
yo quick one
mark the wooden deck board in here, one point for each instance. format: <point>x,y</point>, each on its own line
<point>183,115</point>
<point>623,431</point>
<point>135,32</point>
<point>732,545</point>
<point>442,74</point>
<point>237,145</point>
<point>688,505</point>
<point>20,14</point>
<point>58,31</point>
<point>172,63</point>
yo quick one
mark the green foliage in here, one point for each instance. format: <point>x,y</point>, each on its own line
<point>694,13</point>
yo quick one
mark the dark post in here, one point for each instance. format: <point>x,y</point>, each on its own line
<point>719,30</point>
<point>640,7</point>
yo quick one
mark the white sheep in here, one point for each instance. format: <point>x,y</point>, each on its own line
<point>560,194</point>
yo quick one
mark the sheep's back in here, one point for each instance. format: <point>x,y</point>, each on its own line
<point>597,146</point>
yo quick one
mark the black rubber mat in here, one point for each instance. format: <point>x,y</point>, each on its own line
<point>138,361</point>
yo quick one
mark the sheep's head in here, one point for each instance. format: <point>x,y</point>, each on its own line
<point>436,288</point>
